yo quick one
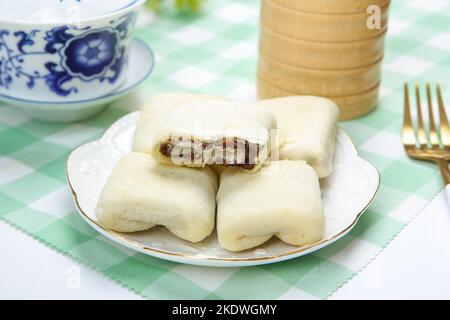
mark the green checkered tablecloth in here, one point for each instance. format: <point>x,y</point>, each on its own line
<point>216,53</point>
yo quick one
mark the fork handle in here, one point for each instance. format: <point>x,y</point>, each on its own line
<point>445,171</point>
<point>447,193</point>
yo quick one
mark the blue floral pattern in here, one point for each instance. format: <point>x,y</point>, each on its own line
<point>85,54</point>
<point>92,54</point>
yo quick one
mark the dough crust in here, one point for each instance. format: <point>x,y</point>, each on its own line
<point>251,208</point>
<point>220,132</point>
<point>153,114</point>
<point>307,130</point>
<point>141,193</point>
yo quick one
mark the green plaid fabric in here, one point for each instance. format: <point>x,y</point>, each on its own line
<point>215,52</point>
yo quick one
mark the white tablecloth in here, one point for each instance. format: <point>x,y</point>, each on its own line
<point>416,265</point>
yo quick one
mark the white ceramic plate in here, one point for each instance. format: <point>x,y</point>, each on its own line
<point>346,194</point>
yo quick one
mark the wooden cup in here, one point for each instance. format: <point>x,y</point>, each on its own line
<point>331,6</point>
<point>319,27</point>
<point>351,106</point>
<point>320,82</point>
<point>320,55</point>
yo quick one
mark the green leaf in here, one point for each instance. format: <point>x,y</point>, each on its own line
<point>194,5</point>
<point>179,4</point>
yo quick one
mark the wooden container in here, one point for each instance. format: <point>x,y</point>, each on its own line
<point>351,106</point>
<point>317,26</point>
<point>331,6</point>
<point>317,81</point>
<point>320,55</point>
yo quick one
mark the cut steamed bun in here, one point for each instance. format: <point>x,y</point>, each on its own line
<point>154,113</point>
<point>215,132</point>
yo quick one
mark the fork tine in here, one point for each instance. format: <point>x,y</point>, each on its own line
<point>434,139</point>
<point>421,133</point>
<point>408,136</point>
<point>436,153</point>
<point>444,126</point>
<point>407,114</point>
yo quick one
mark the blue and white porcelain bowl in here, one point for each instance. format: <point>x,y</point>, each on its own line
<point>64,50</point>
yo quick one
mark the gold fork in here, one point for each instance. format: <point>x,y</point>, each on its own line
<point>436,145</point>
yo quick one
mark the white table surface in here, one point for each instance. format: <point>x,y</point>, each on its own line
<point>415,265</point>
